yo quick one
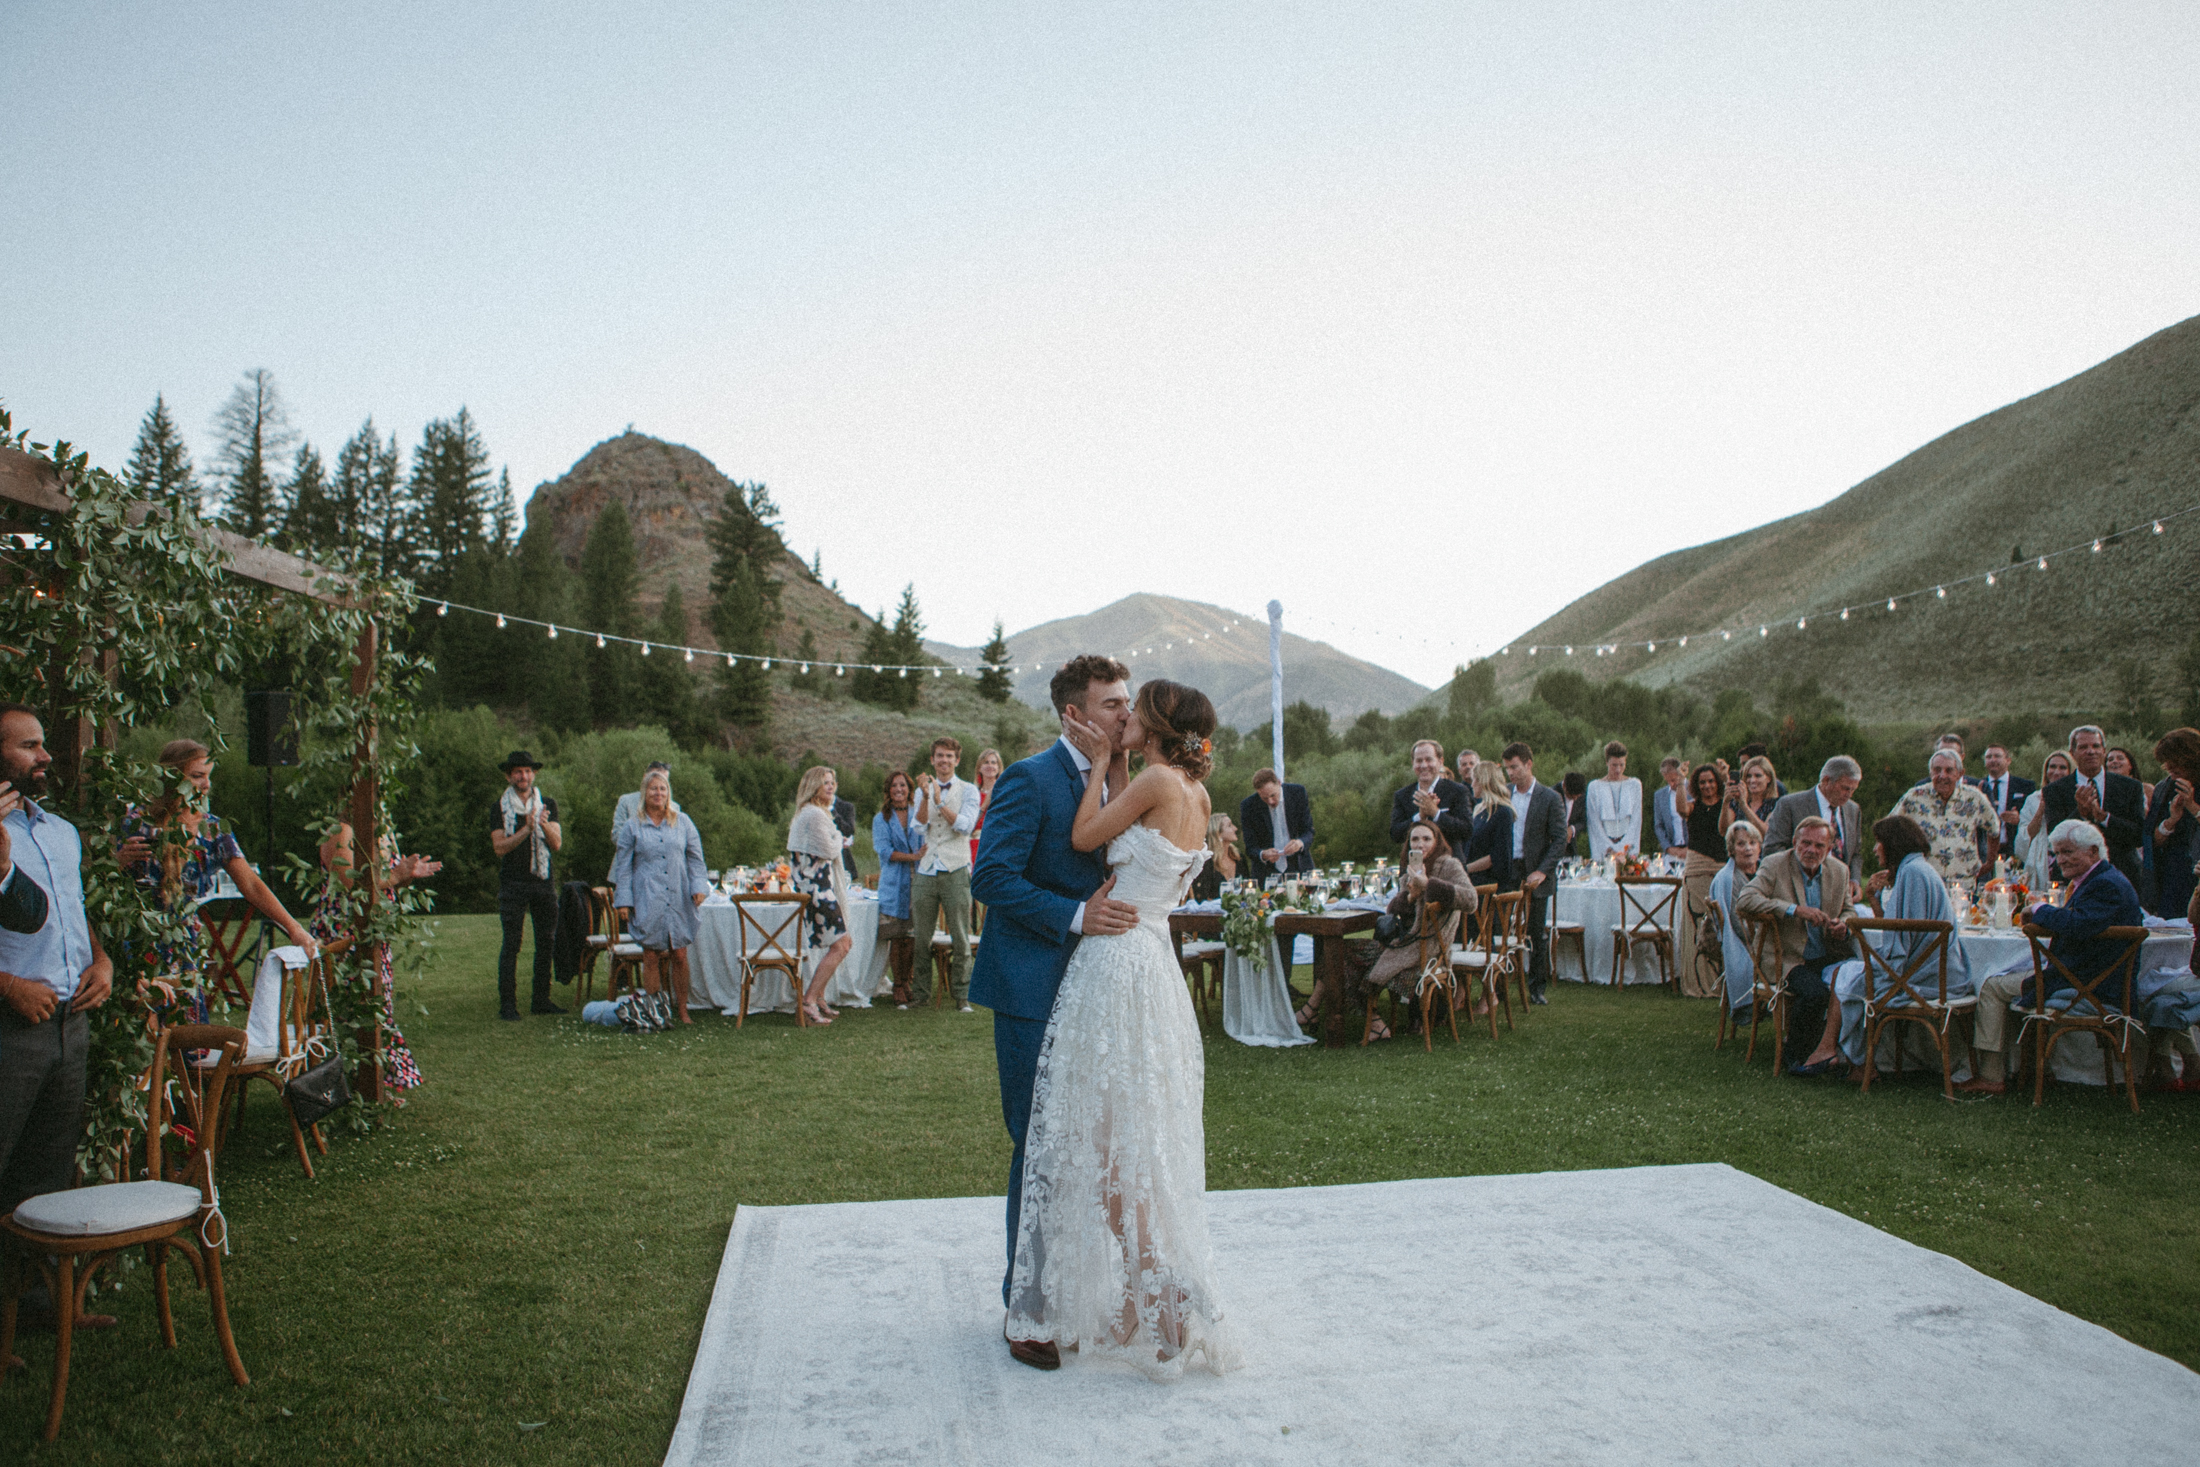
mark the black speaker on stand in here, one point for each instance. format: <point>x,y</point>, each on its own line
<point>270,743</point>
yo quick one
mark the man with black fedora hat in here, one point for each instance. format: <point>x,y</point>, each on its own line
<point>524,831</point>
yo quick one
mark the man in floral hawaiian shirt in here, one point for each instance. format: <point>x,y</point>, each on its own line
<point>1958,819</point>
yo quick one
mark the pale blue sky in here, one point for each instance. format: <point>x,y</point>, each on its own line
<point>1037,305</point>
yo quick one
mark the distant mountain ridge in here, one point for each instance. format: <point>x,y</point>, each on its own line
<point>1221,652</point>
<point>2097,456</point>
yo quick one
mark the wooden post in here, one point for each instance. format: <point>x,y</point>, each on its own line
<point>366,857</point>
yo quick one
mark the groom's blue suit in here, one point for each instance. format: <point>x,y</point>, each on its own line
<point>1032,882</point>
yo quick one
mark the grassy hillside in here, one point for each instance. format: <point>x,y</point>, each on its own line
<point>2097,456</point>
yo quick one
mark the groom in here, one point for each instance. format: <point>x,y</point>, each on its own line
<point>1040,896</point>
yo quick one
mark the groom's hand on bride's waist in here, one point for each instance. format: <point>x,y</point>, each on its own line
<point>1104,916</point>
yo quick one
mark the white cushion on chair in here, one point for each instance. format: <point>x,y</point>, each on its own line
<point>118,1207</point>
<point>1202,949</point>
<point>597,939</point>
<point>626,949</point>
<point>1468,958</point>
<point>212,1058</point>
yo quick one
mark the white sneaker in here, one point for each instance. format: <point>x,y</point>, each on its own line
<point>903,1007</point>
<point>966,1008</point>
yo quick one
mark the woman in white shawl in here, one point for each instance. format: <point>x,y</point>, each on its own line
<point>2039,866</point>
<point>1908,887</point>
<point>813,850</point>
<point>660,880</point>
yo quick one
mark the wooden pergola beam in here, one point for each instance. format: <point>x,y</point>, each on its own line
<point>32,483</point>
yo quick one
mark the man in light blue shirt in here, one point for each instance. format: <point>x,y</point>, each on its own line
<point>50,975</point>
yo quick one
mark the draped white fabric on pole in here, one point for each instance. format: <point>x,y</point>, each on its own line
<point>1275,683</point>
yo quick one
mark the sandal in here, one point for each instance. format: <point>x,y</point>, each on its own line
<point>1378,1031</point>
<point>815,1015</point>
<point>1306,1017</point>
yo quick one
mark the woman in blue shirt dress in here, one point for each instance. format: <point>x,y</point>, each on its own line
<point>661,880</point>
<point>1743,846</point>
<point>898,842</point>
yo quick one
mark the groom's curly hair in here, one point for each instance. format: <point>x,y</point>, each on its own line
<point>1184,720</point>
<point>1079,673</point>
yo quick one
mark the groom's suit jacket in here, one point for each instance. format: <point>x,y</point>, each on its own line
<point>1032,881</point>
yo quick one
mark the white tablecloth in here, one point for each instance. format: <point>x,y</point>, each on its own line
<point>714,963</point>
<point>1595,905</point>
<point>1256,1002</point>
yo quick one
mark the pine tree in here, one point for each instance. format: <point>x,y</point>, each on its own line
<point>553,671</point>
<point>367,494</point>
<point>745,544</point>
<point>610,584</point>
<point>160,465</point>
<point>253,430</point>
<point>808,679</point>
<point>667,681</point>
<point>866,685</point>
<point>309,512</point>
<point>503,514</point>
<point>994,681</point>
<point>450,494</point>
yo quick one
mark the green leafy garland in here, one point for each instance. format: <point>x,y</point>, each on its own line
<point>1249,919</point>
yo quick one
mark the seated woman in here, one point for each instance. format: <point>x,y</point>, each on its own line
<point>1743,847</point>
<point>813,850</point>
<point>899,842</point>
<point>660,880</point>
<point>1432,874</point>
<point>1222,858</point>
<point>332,920</point>
<point>176,848</point>
<point>1490,848</point>
<point>2039,865</point>
<point>1907,886</point>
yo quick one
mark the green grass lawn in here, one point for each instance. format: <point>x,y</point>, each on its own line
<point>534,1239</point>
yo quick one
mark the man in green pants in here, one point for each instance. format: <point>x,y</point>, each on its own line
<point>947,808</point>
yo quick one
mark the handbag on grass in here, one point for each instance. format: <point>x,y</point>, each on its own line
<point>322,1087</point>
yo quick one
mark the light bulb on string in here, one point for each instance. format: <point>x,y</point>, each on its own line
<point>805,669</point>
<point>1799,623</point>
<point>1941,592</point>
<point>841,671</point>
<point>1890,603</point>
<point>1989,578</point>
<point>1844,613</point>
<point>2043,562</point>
<point>767,664</point>
<point>2157,527</point>
<point>553,634</point>
<point>729,659</point>
<point>1684,641</point>
<point>645,649</point>
<point>2096,547</point>
<point>1653,646</point>
<point>905,672</point>
<point>937,671</point>
<point>599,639</point>
<point>1532,651</point>
<point>690,654</point>
<point>444,609</point>
<point>500,619</point>
<point>1726,636</point>
<point>1569,651</point>
<point>1764,632</point>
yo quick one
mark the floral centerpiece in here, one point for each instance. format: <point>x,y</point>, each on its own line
<point>1631,863</point>
<point>1249,919</point>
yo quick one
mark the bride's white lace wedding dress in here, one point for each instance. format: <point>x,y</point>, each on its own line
<point>1111,1245</point>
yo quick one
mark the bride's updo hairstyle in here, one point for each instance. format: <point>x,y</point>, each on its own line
<point>1184,721</point>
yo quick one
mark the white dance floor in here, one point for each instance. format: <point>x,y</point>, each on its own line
<point>1662,1314</point>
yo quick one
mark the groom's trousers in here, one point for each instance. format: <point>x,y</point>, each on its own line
<point>1016,1045</point>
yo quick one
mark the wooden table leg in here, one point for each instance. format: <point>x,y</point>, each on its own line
<point>1328,966</point>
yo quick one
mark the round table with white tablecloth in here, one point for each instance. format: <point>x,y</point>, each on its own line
<point>1595,905</point>
<point>714,963</point>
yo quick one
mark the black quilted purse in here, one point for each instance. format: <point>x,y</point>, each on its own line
<point>322,1088</point>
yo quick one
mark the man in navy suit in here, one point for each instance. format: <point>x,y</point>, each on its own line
<point>2115,804</point>
<point>1267,851</point>
<point>2005,792</point>
<point>2100,897</point>
<point>1433,797</point>
<point>1041,895</point>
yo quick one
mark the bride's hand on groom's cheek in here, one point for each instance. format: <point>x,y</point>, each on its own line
<point>1090,740</point>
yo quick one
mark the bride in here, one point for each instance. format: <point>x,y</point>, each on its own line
<point>1111,1246</point>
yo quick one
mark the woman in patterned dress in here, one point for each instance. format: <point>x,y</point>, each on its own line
<point>177,849</point>
<point>400,1071</point>
<point>813,851</point>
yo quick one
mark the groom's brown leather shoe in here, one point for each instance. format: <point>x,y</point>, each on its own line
<point>1038,1354</point>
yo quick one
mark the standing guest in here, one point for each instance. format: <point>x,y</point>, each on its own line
<point>1490,851</point>
<point>2004,791</point>
<point>332,922</point>
<point>844,821</point>
<point>1614,807</point>
<point>1468,762</point>
<point>2119,761</point>
<point>1432,874</point>
<point>1743,847</point>
<point>1956,818</point>
<point>1807,895</point>
<point>899,842</point>
<point>1539,836</point>
<point>947,808</point>
<point>988,774</point>
<point>1706,859</point>
<point>1907,887</point>
<point>52,973</point>
<point>177,849</point>
<point>1222,858</point>
<point>1574,789</point>
<point>813,855</point>
<point>1751,751</point>
<point>1278,825</point>
<point>1750,799</point>
<point>1669,806</point>
<point>2115,804</point>
<point>2173,821</point>
<point>2100,897</point>
<point>632,801</point>
<point>2032,825</point>
<point>525,833</point>
<point>1433,798</point>
<point>659,881</point>
<point>1831,800</point>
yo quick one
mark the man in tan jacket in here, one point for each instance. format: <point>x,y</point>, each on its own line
<point>1808,896</point>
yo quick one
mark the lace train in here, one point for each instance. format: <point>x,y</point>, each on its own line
<point>1112,1253</point>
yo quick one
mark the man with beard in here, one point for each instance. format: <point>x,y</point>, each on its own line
<point>52,973</point>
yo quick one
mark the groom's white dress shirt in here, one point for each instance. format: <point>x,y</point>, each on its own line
<point>1084,777</point>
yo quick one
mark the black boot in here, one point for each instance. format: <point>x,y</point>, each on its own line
<point>508,1010</point>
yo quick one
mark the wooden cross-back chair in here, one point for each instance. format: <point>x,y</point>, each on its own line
<point>2100,1006</point>
<point>1202,961</point>
<point>296,1027</point>
<point>610,942</point>
<point>1709,958</point>
<point>1476,956</point>
<point>229,947</point>
<point>1512,948</point>
<point>1649,910</point>
<point>1768,990</point>
<point>1904,1001</point>
<point>83,1228</point>
<point>771,942</point>
<point>1436,979</point>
